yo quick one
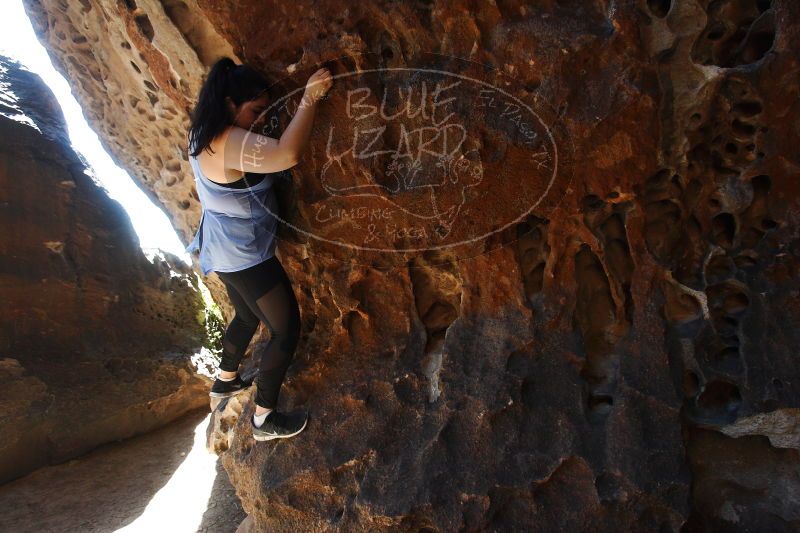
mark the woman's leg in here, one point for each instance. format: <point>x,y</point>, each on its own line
<point>238,334</point>
<point>267,289</point>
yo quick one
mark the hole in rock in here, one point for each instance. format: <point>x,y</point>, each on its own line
<point>747,108</point>
<point>659,8</point>
<point>719,401</point>
<point>724,229</point>
<point>145,26</point>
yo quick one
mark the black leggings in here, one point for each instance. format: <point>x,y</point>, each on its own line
<point>262,293</point>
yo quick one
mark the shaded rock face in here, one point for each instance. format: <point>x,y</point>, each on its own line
<point>140,69</point>
<point>619,358</point>
<point>95,340</point>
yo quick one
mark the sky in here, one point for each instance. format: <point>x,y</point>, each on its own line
<point>18,41</point>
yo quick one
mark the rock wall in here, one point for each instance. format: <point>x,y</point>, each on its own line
<point>140,67</point>
<point>621,357</point>
<point>95,340</point>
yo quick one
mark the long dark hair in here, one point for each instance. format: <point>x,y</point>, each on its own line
<point>210,117</point>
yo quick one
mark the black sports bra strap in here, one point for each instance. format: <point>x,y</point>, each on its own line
<point>248,180</point>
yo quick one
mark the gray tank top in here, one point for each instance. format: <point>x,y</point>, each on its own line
<point>237,225</point>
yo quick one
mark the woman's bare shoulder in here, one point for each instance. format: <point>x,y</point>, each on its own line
<point>218,143</point>
<point>213,164</point>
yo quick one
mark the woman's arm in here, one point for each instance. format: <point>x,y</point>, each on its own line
<point>251,152</point>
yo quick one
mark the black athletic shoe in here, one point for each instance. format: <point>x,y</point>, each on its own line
<point>280,425</point>
<point>223,389</point>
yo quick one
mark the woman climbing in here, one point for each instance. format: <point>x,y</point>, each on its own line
<point>234,171</point>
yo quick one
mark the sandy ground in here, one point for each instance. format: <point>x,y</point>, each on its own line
<point>161,481</point>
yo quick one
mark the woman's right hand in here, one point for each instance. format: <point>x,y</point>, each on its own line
<point>318,85</point>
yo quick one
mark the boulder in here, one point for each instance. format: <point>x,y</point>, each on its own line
<point>96,341</point>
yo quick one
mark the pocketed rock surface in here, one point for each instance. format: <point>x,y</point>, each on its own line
<point>622,357</point>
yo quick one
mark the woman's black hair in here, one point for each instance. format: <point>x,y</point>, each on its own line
<point>210,117</point>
